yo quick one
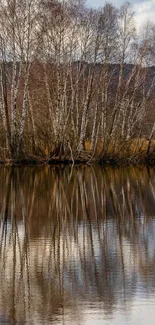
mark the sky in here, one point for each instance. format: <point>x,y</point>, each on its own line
<point>144,9</point>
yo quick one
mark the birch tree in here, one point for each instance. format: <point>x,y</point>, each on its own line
<point>18,32</point>
<point>126,32</point>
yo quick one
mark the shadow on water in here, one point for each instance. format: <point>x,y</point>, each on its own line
<point>73,240</point>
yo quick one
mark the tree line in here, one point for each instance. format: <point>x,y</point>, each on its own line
<point>71,75</point>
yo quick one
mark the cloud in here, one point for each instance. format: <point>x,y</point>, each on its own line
<point>144,9</point>
<point>117,3</point>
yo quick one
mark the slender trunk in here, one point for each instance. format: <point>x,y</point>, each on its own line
<point>93,135</point>
<point>84,113</point>
<point>24,108</point>
<point>50,105</point>
<point>150,139</point>
<point>5,110</point>
<point>34,137</point>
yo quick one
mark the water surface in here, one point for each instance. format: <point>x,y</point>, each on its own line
<point>77,246</point>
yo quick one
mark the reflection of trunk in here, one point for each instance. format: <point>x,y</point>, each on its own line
<point>5,210</point>
<point>121,255</point>
<point>78,249</point>
<point>14,229</point>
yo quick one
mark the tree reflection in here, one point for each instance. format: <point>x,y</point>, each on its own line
<point>76,236</point>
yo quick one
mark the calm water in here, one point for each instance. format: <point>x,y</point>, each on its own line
<point>77,246</point>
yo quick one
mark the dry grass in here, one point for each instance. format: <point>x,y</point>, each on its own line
<point>118,150</point>
<point>98,147</point>
<point>122,148</point>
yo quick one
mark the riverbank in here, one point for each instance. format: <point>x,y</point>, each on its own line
<point>42,161</point>
<point>111,160</point>
<point>135,152</point>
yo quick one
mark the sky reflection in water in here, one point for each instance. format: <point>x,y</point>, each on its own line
<point>77,246</point>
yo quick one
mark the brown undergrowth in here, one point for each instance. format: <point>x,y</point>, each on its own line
<point>115,152</point>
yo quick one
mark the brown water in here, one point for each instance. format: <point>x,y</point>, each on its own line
<point>77,246</point>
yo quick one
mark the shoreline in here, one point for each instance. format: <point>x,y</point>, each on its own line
<point>112,161</point>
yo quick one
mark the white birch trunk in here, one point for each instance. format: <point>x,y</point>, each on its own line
<point>4,108</point>
<point>24,108</point>
<point>84,114</point>
<point>33,121</point>
<point>50,105</point>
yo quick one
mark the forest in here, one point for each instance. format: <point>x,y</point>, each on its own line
<point>76,83</point>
